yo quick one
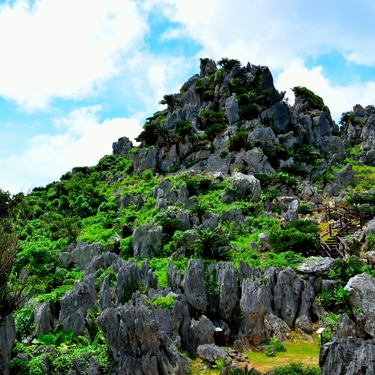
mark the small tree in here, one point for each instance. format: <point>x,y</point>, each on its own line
<point>211,244</point>
<point>11,293</point>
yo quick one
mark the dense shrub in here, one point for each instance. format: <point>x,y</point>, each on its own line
<point>237,140</point>
<point>308,96</point>
<point>292,239</point>
<point>296,369</point>
<point>211,244</point>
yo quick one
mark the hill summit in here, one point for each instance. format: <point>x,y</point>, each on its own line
<point>195,241</point>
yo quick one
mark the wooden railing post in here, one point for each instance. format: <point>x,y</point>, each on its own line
<point>330,230</point>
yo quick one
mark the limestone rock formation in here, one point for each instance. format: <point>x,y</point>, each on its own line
<point>7,340</point>
<point>348,357</point>
<point>193,286</point>
<point>138,343</point>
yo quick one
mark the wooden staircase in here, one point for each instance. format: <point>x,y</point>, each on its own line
<point>331,243</point>
<point>349,222</point>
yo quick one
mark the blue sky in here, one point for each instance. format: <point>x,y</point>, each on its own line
<point>75,75</point>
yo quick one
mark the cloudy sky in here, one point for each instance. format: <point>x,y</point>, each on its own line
<point>75,75</point>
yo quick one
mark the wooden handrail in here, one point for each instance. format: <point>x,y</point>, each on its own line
<point>326,251</point>
<point>342,246</point>
<point>326,231</point>
<point>345,229</point>
<point>346,216</point>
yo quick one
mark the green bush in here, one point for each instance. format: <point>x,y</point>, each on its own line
<point>345,268</point>
<point>283,260</point>
<point>304,226</point>
<point>308,96</point>
<point>270,352</point>
<point>184,127</point>
<point>292,239</point>
<point>371,241</point>
<point>170,226</point>
<point>296,369</point>
<point>287,179</point>
<point>164,302</point>
<point>174,168</point>
<point>227,64</point>
<point>211,244</point>
<point>244,371</point>
<point>237,140</point>
<point>215,129</point>
<point>249,111</point>
<point>304,209</point>
<point>24,321</point>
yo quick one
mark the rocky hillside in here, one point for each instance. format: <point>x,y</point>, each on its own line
<point>200,238</point>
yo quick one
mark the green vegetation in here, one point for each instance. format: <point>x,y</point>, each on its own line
<point>308,96</point>
<point>298,236</point>
<point>163,302</point>
<point>296,369</point>
<point>107,202</point>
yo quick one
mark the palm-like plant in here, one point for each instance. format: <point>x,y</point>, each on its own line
<point>345,268</point>
<point>243,371</point>
<point>211,244</point>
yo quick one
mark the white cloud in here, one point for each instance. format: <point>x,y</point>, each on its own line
<point>338,98</point>
<point>63,48</point>
<point>273,32</point>
<point>151,77</point>
<point>82,140</point>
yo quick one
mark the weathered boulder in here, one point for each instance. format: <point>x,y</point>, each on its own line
<point>254,309</point>
<point>175,321</point>
<point>145,159</point>
<point>105,300</point>
<point>234,216</point>
<point>348,357</point>
<point>209,220</point>
<point>361,300</point>
<point>43,319</point>
<point>264,241</point>
<point>228,296</point>
<point>269,281</point>
<point>288,295</point>
<point>7,341</point>
<point>289,207</point>
<point>147,240</point>
<point>316,266</point>
<point>86,364</point>
<point>130,279</point>
<point>137,342</point>
<point>310,193</point>
<point>103,261</point>
<point>211,353</point>
<point>255,160</point>
<point>242,186</point>
<point>75,305</point>
<point>346,328</point>
<point>276,327</point>
<point>231,109</point>
<point>122,146</point>
<point>201,332</point>
<point>308,297</point>
<point>193,285</point>
<point>81,255</point>
<point>246,272</point>
<point>262,136</point>
<point>371,227</point>
<point>182,244</point>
